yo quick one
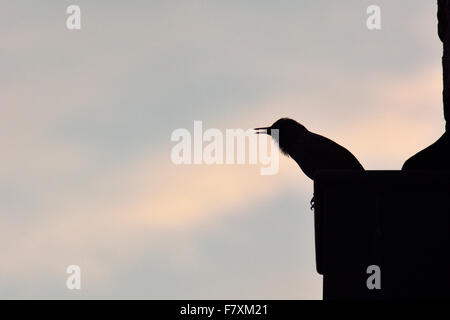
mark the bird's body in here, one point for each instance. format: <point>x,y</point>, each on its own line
<point>314,153</point>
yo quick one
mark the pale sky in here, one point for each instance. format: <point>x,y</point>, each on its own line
<point>86,118</point>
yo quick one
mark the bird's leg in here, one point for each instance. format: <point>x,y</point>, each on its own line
<point>312,203</point>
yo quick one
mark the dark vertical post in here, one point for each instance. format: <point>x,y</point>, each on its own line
<point>444,35</point>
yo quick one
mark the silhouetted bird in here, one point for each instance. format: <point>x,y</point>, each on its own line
<point>311,151</point>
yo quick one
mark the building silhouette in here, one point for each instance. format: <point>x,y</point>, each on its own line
<point>396,222</point>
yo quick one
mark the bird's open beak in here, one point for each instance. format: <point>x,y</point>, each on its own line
<point>263,130</point>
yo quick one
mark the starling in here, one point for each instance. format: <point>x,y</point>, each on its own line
<point>311,151</point>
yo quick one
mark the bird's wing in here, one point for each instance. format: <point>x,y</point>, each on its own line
<point>316,152</point>
<point>333,155</point>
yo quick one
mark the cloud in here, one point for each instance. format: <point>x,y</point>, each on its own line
<point>86,118</point>
<point>142,208</point>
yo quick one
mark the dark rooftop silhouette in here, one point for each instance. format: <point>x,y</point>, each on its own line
<point>395,223</point>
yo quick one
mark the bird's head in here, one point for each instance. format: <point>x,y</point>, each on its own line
<point>289,131</point>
